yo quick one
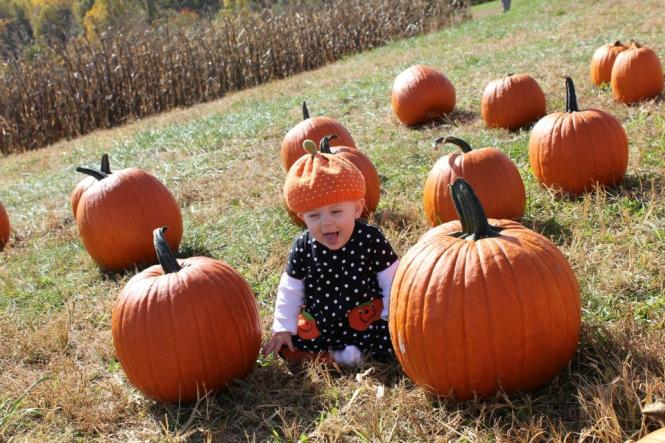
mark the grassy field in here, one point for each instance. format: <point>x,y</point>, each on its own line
<point>60,381</point>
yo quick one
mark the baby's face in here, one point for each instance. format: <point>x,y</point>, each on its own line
<point>332,225</point>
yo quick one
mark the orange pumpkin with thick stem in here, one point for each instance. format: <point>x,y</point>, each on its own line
<point>421,94</point>
<point>637,75</point>
<point>4,227</point>
<point>117,214</point>
<point>307,328</point>
<point>492,174</point>
<point>512,102</point>
<point>185,327</point>
<point>480,305</point>
<point>364,315</point>
<point>87,182</point>
<point>573,151</point>
<point>312,128</point>
<point>602,62</point>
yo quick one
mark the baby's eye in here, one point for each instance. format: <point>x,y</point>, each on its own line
<point>313,215</point>
<point>336,211</point>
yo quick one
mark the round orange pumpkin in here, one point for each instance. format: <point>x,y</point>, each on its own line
<point>512,102</point>
<point>312,128</point>
<point>84,184</point>
<point>185,327</point>
<point>421,94</point>
<point>492,174</point>
<point>4,227</point>
<point>117,214</point>
<point>637,74</point>
<point>480,305</point>
<point>574,150</point>
<point>602,61</point>
<point>654,437</point>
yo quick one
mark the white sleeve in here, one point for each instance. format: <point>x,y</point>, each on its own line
<point>385,279</point>
<point>290,297</point>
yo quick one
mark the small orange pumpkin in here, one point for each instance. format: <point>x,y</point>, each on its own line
<point>84,184</point>
<point>637,74</point>
<point>312,128</point>
<point>492,174</point>
<point>512,102</point>
<point>117,214</point>
<point>307,328</point>
<point>4,227</point>
<point>421,94</point>
<point>479,305</point>
<point>602,61</point>
<point>574,150</point>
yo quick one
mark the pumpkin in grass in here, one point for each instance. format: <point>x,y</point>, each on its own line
<point>512,102</point>
<point>481,305</point>
<point>573,151</point>
<point>312,128</point>
<point>492,174</point>
<point>637,75</point>
<point>117,214</point>
<point>185,327</point>
<point>602,61</point>
<point>87,182</point>
<point>421,94</point>
<point>4,227</point>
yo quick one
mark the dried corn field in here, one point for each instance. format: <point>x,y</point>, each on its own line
<point>67,92</point>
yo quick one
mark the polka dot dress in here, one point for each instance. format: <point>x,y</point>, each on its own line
<point>342,294</point>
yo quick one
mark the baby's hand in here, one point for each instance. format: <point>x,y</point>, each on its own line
<point>278,340</point>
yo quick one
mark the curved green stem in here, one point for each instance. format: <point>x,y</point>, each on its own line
<point>324,144</point>
<point>99,175</point>
<point>105,166</point>
<point>470,212</point>
<point>305,112</point>
<point>571,97</point>
<point>464,146</point>
<point>164,253</point>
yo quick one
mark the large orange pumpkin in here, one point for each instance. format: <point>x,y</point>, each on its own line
<point>637,74</point>
<point>312,128</point>
<point>492,174</point>
<point>421,94</point>
<point>117,214</point>
<point>512,102</point>
<point>574,150</point>
<point>602,61</point>
<point>4,227</point>
<point>84,184</point>
<point>480,305</point>
<point>184,327</point>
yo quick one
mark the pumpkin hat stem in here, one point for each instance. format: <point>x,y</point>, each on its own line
<point>99,175</point>
<point>617,43</point>
<point>470,212</point>
<point>164,253</point>
<point>305,112</point>
<point>464,146</point>
<point>324,145</point>
<point>571,97</point>
<point>105,166</point>
<point>309,146</point>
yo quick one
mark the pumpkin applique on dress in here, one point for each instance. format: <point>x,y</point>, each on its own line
<point>307,328</point>
<point>364,315</point>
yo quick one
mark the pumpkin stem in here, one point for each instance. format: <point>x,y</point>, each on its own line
<point>324,145</point>
<point>511,74</point>
<point>309,146</point>
<point>470,212</point>
<point>617,43</point>
<point>105,166</point>
<point>305,112</point>
<point>164,253</point>
<point>571,97</point>
<point>99,175</point>
<point>464,146</point>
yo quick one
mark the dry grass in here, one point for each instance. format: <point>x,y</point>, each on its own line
<point>220,160</point>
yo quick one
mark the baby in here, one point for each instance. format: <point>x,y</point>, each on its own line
<point>332,300</point>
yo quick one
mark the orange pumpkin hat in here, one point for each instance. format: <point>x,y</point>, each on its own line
<point>318,180</point>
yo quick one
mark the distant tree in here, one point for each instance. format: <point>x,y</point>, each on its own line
<point>113,15</point>
<point>15,29</point>
<point>54,21</point>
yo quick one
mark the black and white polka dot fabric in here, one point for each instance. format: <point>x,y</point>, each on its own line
<point>340,281</point>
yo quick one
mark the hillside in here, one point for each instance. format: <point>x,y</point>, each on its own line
<point>221,160</point>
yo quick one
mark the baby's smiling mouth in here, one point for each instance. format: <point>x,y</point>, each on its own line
<point>331,237</point>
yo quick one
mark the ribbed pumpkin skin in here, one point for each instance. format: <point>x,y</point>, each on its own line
<point>572,151</point>
<point>78,191</point>
<point>600,69</point>
<point>4,227</point>
<point>116,217</point>
<point>195,328</point>
<point>421,94</point>
<point>654,437</point>
<point>471,316</point>
<point>512,102</point>
<point>314,128</point>
<point>491,173</point>
<point>637,74</point>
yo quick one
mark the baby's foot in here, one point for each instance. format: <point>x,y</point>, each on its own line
<point>349,356</point>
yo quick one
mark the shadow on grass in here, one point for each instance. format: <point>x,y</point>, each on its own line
<point>640,187</point>
<point>550,228</point>
<point>456,118</point>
